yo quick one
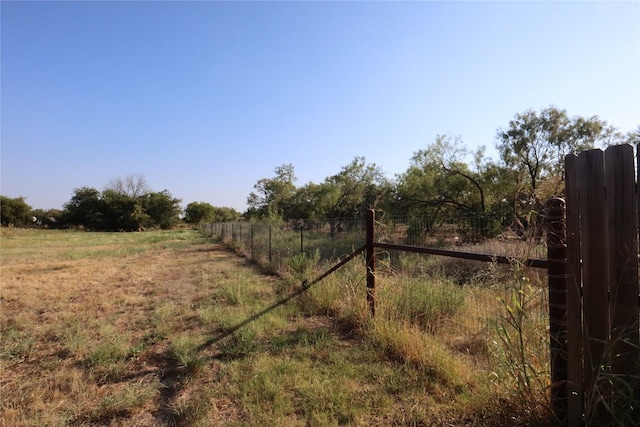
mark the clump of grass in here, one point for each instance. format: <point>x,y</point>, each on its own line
<point>405,342</point>
<point>327,402</point>
<point>234,293</point>
<point>302,266</point>
<point>15,344</point>
<point>120,403</point>
<point>239,344</point>
<point>76,338</point>
<point>287,389</point>
<point>162,319</point>
<point>190,410</point>
<point>301,337</point>
<point>184,351</point>
<point>341,296</point>
<point>112,347</point>
<point>427,304</point>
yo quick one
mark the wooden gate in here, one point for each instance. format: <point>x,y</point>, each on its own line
<point>602,292</point>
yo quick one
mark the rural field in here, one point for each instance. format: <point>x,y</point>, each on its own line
<point>173,328</point>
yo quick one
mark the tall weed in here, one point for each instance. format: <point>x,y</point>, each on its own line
<point>521,347</point>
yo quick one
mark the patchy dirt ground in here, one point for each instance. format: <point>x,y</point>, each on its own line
<point>88,326</point>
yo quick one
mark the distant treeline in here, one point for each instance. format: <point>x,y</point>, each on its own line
<point>126,204</point>
<point>444,181</point>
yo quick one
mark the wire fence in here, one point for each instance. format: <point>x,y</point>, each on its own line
<point>269,244</point>
<point>485,286</point>
<point>331,239</point>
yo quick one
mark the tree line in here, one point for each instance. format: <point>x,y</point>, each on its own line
<point>126,204</point>
<point>444,182</point>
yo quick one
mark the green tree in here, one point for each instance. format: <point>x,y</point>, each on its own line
<point>311,203</point>
<point>85,208</point>
<point>225,214</point>
<point>273,195</point>
<point>440,186</point>
<point>15,211</point>
<point>633,137</point>
<point>120,212</point>
<point>355,189</point>
<point>535,143</point>
<point>199,212</point>
<point>162,209</point>
<point>115,210</point>
<point>348,194</point>
<point>124,199</point>
<point>533,147</point>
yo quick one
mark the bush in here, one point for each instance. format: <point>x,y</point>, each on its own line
<point>14,212</point>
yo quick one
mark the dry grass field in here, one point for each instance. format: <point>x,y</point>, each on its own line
<point>141,329</point>
<point>95,327</point>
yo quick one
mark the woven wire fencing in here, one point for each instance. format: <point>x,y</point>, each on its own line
<point>270,244</point>
<point>485,291</point>
<point>473,296</point>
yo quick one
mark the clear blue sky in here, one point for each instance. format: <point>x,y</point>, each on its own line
<point>206,98</point>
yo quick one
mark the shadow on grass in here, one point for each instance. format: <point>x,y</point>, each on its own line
<point>174,374</point>
<point>303,288</point>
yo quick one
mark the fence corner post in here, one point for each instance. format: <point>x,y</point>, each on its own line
<point>371,260</point>
<point>557,282</point>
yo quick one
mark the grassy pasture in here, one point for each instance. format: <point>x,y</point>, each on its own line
<point>141,329</point>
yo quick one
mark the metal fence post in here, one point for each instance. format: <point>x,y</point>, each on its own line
<point>557,273</point>
<point>371,261</point>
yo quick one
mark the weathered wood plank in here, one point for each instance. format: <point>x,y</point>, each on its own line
<point>557,273</point>
<point>593,248</point>
<point>623,257</point>
<point>574,296</point>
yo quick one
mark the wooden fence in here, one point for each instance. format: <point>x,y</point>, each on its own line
<point>594,293</point>
<point>596,380</point>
